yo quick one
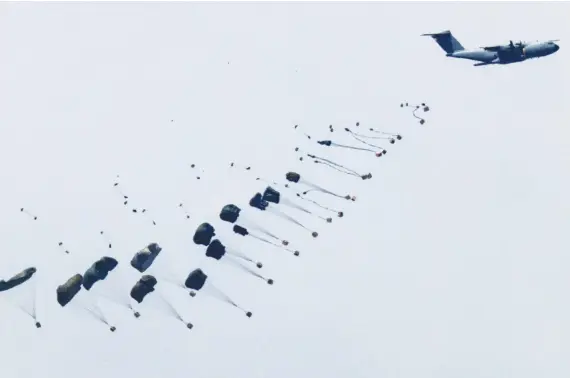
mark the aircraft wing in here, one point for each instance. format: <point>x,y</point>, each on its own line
<point>495,48</point>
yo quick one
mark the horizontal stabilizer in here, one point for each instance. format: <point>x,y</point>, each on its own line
<point>436,34</point>
<point>483,64</point>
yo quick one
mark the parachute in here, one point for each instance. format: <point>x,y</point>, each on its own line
<point>143,287</point>
<point>231,214</point>
<point>69,289</point>
<point>146,285</point>
<point>96,280</point>
<point>98,271</point>
<point>273,196</point>
<point>204,234</point>
<point>259,203</point>
<point>198,280</point>
<point>143,259</point>
<point>217,250</point>
<point>18,280</point>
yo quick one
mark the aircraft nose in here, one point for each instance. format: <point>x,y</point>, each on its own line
<point>556,47</point>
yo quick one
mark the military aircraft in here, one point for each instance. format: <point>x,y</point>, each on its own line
<point>499,54</point>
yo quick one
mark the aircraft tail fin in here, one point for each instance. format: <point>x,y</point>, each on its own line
<point>446,41</point>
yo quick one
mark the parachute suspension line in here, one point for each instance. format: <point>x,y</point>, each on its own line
<point>134,210</point>
<point>243,257</point>
<point>34,217</point>
<point>287,216</point>
<point>385,136</point>
<point>23,210</point>
<point>292,204</point>
<point>274,244</point>
<point>422,121</point>
<point>352,147</point>
<point>181,206</point>
<point>320,159</point>
<point>106,239</point>
<point>224,297</point>
<point>63,247</point>
<point>307,135</point>
<point>331,143</point>
<point>323,190</point>
<point>392,137</point>
<point>339,213</point>
<point>117,187</point>
<point>337,168</point>
<point>171,307</point>
<point>170,280</point>
<point>421,106</point>
<point>194,166</point>
<point>288,202</point>
<point>98,314</point>
<point>34,300</point>
<point>263,230</point>
<point>32,312</point>
<point>379,153</point>
<point>146,214</point>
<point>293,220</point>
<point>250,271</point>
<point>174,312</point>
<point>34,306</point>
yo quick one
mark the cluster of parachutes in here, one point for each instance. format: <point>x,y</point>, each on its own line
<point>269,201</point>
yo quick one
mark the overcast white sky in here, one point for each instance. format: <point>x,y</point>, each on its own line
<point>453,261</point>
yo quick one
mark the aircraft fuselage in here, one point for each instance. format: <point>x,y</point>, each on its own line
<point>502,54</point>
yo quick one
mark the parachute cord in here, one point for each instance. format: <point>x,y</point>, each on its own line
<point>171,307</point>
<point>224,296</point>
<point>117,187</point>
<point>261,229</point>
<point>352,147</point>
<point>270,242</point>
<point>247,269</point>
<point>335,164</point>
<point>34,298</point>
<point>318,204</point>
<point>319,189</point>
<point>31,313</point>
<point>366,143</point>
<point>240,255</point>
<point>97,313</point>
<point>337,168</point>
<point>171,281</point>
<point>304,133</point>
<point>288,217</point>
<point>288,202</point>
<point>414,113</point>
<point>369,136</point>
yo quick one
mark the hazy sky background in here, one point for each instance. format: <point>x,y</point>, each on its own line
<point>453,261</point>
